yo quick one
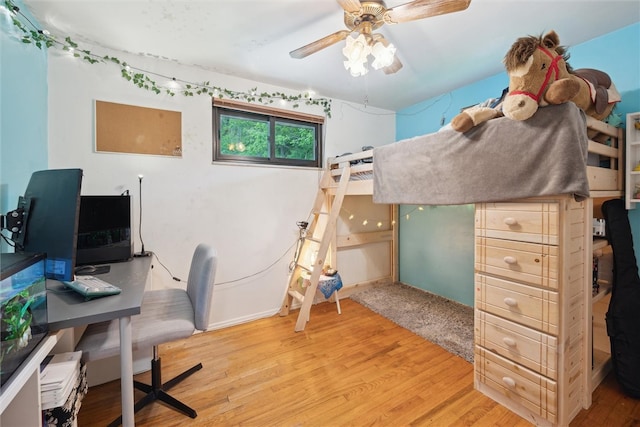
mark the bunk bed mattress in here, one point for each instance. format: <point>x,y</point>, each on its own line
<point>501,159</point>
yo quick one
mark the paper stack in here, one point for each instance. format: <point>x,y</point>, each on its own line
<point>58,377</point>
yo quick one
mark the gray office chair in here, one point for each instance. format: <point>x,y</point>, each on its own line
<point>166,315</point>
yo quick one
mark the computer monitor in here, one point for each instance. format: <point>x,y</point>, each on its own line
<point>52,205</point>
<point>104,229</point>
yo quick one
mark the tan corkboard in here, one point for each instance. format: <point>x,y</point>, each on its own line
<point>124,128</point>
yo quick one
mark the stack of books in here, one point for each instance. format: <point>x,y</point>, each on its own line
<point>58,375</point>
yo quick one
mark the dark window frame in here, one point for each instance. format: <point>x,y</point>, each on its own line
<point>272,116</point>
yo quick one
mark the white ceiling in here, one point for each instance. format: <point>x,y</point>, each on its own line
<point>253,38</point>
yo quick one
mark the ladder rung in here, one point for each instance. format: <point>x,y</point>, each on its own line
<point>297,295</point>
<point>313,239</point>
<point>305,268</point>
<point>320,213</point>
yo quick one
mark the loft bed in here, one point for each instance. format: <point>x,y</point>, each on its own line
<point>558,151</point>
<point>499,160</point>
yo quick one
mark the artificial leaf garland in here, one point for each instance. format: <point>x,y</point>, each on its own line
<point>42,39</point>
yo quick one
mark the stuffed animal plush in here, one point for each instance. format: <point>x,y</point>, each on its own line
<point>539,75</point>
<point>473,116</point>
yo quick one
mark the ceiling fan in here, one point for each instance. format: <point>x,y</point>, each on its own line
<point>363,17</point>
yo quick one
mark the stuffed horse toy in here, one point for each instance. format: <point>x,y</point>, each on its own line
<point>539,75</point>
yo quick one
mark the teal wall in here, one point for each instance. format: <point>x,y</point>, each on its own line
<point>436,243</point>
<point>23,112</point>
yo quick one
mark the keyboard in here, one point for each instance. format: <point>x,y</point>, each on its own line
<point>91,287</point>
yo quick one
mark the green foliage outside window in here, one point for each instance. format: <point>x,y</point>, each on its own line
<point>258,138</point>
<point>244,137</point>
<point>295,141</point>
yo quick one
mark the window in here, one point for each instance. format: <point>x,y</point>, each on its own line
<point>257,134</point>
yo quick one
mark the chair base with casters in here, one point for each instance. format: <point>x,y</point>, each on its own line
<point>166,315</point>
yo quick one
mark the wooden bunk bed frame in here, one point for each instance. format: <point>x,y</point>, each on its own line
<point>352,175</point>
<point>606,142</point>
<point>606,180</point>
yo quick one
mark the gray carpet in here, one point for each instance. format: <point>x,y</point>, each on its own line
<point>439,320</point>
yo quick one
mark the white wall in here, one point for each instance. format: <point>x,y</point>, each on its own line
<point>247,213</point>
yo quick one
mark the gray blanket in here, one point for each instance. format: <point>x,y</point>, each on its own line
<point>499,160</point>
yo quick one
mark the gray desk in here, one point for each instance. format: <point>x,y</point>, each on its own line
<point>67,309</point>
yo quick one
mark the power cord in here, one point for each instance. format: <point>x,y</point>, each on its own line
<point>261,271</point>
<point>177,279</point>
<point>8,240</point>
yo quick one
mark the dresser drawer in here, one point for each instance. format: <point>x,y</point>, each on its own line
<point>527,262</point>
<point>529,306</point>
<point>528,222</point>
<point>528,347</point>
<point>527,388</point>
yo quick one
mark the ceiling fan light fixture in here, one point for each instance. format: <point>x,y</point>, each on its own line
<point>383,55</point>
<point>356,69</point>
<point>356,49</point>
<point>366,16</point>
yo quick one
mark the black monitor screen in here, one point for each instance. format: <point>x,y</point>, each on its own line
<point>104,229</point>
<point>52,205</point>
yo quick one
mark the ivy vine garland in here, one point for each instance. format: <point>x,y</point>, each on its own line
<point>42,39</point>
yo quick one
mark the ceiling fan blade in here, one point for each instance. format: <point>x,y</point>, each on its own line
<point>351,6</point>
<point>419,9</point>
<point>394,67</point>
<point>320,44</point>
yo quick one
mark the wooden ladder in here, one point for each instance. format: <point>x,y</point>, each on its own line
<point>320,234</point>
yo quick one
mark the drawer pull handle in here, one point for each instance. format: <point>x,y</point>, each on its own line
<point>509,341</point>
<point>510,260</point>
<point>510,382</point>
<point>510,221</point>
<point>511,302</point>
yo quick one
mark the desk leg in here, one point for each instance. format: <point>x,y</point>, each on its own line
<point>126,372</point>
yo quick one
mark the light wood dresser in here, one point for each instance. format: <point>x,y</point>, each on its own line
<point>532,296</point>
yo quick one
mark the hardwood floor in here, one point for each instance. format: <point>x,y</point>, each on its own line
<point>355,369</point>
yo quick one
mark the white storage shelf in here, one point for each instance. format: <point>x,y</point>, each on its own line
<point>20,397</point>
<point>632,189</point>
